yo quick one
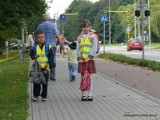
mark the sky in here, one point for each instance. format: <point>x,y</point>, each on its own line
<point>58,7</point>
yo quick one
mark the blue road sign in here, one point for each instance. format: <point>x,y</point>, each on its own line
<point>62,17</point>
<point>104,18</point>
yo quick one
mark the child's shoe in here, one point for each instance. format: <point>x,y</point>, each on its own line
<point>90,98</point>
<point>84,98</point>
<point>44,99</point>
<point>53,79</point>
<point>73,78</point>
<point>35,98</point>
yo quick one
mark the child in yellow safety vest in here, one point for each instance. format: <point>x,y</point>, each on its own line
<point>86,51</point>
<point>43,53</point>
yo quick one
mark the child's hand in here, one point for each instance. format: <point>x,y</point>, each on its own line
<point>86,60</point>
<point>80,61</point>
<point>36,56</point>
<point>65,51</point>
<point>46,66</point>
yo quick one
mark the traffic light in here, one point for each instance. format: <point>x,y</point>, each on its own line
<point>147,13</point>
<point>137,13</point>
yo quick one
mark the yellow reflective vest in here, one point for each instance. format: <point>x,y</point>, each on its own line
<point>42,59</point>
<point>86,45</point>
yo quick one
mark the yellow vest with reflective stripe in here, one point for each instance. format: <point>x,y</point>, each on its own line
<point>85,47</point>
<point>42,59</point>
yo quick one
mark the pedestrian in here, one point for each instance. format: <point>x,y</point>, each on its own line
<point>86,50</point>
<point>72,61</point>
<point>51,31</point>
<point>46,60</point>
<point>31,40</point>
<point>31,43</point>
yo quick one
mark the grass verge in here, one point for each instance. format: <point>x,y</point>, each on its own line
<point>153,65</point>
<point>11,53</point>
<point>155,45</point>
<point>13,89</point>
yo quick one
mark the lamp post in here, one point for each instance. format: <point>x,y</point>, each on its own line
<point>109,23</point>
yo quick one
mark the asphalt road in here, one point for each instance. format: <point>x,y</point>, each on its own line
<point>150,54</point>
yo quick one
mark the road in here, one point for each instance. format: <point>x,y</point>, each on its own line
<point>150,54</point>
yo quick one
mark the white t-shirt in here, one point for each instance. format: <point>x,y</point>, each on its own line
<point>30,40</point>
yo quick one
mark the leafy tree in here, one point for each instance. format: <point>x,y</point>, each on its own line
<point>92,11</point>
<point>155,17</point>
<point>14,13</point>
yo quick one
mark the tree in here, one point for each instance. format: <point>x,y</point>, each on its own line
<point>14,13</point>
<point>92,11</point>
<point>155,17</point>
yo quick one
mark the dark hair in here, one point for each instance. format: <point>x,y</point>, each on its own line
<point>85,23</point>
<point>38,33</point>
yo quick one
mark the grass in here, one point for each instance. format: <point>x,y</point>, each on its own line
<point>155,45</point>
<point>13,89</point>
<point>153,65</point>
<point>118,44</point>
<point>11,54</point>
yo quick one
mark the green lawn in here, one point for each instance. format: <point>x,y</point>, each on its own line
<point>153,45</point>
<point>11,53</point>
<point>13,89</point>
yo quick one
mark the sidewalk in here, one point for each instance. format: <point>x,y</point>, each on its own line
<point>112,100</point>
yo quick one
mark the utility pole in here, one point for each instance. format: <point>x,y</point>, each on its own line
<point>149,26</point>
<point>142,12</point>
<point>135,23</point>
<point>109,23</point>
<point>104,36</point>
<point>142,8</point>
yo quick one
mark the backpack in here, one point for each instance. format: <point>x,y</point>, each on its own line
<point>91,38</point>
<point>46,48</point>
<point>98,45</point>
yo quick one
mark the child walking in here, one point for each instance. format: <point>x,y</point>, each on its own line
<point>86,50</point>
<point>72,61</point>
<point>46,60</point>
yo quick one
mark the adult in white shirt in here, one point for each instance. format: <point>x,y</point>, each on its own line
<point>31,40</point>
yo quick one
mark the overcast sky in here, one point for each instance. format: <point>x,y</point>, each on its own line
<point>59,6</point>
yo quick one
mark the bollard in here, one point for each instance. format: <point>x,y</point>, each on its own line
<point>6,44</point>
<point>20,50</point>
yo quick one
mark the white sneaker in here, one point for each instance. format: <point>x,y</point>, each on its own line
<point>44,99</point>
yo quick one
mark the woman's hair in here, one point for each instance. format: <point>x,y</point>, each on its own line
<point>85,23</point>
<point>38,33</point>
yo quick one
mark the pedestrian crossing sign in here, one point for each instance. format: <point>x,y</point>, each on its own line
<point>104,18</point>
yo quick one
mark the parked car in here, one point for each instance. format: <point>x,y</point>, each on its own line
<point>134,44</point>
